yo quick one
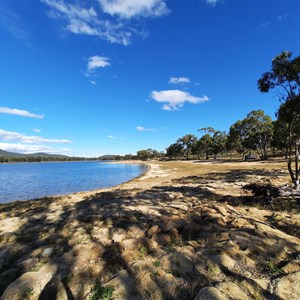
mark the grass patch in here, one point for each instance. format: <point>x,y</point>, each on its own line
<point>174,243</point>
<point>213,270</point>
<point>102,293</point>
<point>272,268</point>
<point>157,263</point>
<point>28,291</point>
<point>143,251</point>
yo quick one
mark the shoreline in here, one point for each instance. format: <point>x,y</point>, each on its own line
<point>185,229</point>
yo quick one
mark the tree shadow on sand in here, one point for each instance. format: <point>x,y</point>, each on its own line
<point>166,242</point>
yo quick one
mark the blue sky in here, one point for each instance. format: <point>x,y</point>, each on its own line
<point>115,76</point>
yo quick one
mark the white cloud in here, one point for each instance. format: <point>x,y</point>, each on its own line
<point>86,21</point>
<point>141,129</point>
<point>19,112</point>
<point>212,2</point>
<point>22,138</point>
<point>115,137</point>
<point>178,80</point>
<point>36,130</point>
<point>27,149</point>
<point>96,62</point>
<point>175,99</point>
<point>134,8</point>
<point>93,82</point>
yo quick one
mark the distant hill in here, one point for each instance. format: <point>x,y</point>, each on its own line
<point>10,154</point>
<point>4,155</point>
<point>40,154</point>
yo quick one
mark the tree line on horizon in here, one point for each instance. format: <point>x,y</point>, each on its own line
<point>253,134</point>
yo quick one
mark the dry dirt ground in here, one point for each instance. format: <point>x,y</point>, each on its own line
<point>183,230</point>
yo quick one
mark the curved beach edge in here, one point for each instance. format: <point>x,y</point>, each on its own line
<point>87,192</point>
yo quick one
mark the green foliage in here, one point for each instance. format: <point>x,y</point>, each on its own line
<point>156,263</point>
<point>174,150</point>
<point>213,270</point>
<point>252,133</point>
<point>206,143</point>
<point>148,154</point>
<point>272,268</point>
<point>143,251</point>
<point>102,293</point>
<point>187,143</point>
<point>284,74</point>
<point>27,293</point>
<point>280,139</point>
<point>219,142</point>
<point>284,77</point>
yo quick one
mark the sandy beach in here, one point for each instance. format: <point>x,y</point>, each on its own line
<point>183,230</point>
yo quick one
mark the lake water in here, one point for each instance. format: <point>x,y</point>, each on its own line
<point>23,181</point>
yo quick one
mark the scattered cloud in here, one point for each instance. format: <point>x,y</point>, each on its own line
<point>19,112</point>
<point>11,22</point>
<point>128,9</point>
<point>96,62</point>
<point>93,82</point>
<point>141,129</point>
<point>282,17</point>
<point>178,80</point>
<point>27,149</point>
<point>37,130</point>
<point>212,2</point>
<point>264,24</point>
<point>86,21</point>
<point>115,137</point>
<point>268,23</point>
<point>175,99</point>
<point>27,139</point>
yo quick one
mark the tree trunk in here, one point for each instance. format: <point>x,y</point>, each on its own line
<point>296,183</point>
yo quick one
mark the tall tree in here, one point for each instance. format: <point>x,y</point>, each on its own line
<point>206,143</point>
<point>219,142</point>
<point>252,133</point>
<point>187,142</point>
<point>280,139</point>
<point>284,77</point>
<point>236,136</point>
<point>260,131</point>
<point>174,150</point>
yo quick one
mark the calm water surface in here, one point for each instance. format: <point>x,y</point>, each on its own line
<point>25,181</point>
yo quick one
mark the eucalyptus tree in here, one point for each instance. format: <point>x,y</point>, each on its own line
<point>212,142</point>
<point>260,131</point>
<point>187,143</point>
<point>236,137</point>
<point>280,139</point>
<point>252,133</point>
<point>174,150</point>
<point>206,144</point>
<point>284,78</point>
<point>197,149</point>
<point>143,154</point>
<point>219,142</point>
